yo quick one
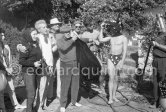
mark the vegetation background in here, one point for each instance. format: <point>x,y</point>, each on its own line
<point>133,15</point>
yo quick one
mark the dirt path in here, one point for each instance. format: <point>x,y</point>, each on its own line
<point>137,102</point>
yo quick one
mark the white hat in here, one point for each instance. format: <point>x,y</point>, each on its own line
<point>55,21</point>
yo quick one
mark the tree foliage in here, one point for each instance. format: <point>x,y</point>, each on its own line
<point>32,10</point>
<point>130,13</point>
<point>12,34</point>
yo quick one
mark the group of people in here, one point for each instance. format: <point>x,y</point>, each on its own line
<point>49,49</point>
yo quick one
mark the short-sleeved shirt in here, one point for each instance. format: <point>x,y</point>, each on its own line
<point>157,52</point>
<point>160,58</point>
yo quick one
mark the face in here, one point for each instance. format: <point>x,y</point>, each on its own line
<point>90,27</point>
<point>33,35</point>
<point>43,29</point>
<point>77,28</point>
<point>55,27</point>
<point>3,36</point>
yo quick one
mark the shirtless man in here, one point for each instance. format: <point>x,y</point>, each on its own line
<point>116,57</point>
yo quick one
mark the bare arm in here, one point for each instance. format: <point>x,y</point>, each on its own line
<point>163,47</point>
<point>124,48</point>
<point>101,39</point>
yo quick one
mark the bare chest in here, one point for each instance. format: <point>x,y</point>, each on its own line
<point>116,41</point>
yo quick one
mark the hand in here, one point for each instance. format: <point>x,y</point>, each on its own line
<point>96,42</point>
<point>37,63</point>
<point>153,43</point>
<point>90,40</point>
<point>50,70</point>
<point>119,65</point>
<point>102,25</point>
<point>9,70</point>
<point>73,35</point>
<point>22,49</point>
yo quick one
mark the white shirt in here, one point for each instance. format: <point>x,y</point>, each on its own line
<point>46,48</point>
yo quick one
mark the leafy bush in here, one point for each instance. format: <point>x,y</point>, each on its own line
<point>13,37</point>
<point>131,14</point>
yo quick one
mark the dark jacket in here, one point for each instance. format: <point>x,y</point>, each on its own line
<point>32,55</point>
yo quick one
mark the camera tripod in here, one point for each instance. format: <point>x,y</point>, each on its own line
<point>142,72</point>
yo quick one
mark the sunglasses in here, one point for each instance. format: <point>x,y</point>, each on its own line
<point>78,26</point>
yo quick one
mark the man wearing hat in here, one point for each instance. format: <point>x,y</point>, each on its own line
<point>57,28</point>
<point>54,27</point>
<point>69,70</point>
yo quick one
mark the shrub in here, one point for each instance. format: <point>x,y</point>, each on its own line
<point>13,37</point>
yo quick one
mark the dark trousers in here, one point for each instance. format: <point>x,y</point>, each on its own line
<point>155,88</point>
<point>159,73</point>
<point>2,103</point>
<point>69,78</point>
<point>30,82</point>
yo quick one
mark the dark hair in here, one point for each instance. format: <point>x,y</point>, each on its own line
<point>1,42</point>
<point>27,39</point>
<point>113,28</point>
<point>2,31</point>
<point>88,21</point>
<point>27,35</point>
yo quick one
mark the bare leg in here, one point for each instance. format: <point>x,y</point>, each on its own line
<point>115,85</point>
<point>163,103</point>
<point>111,73</point>
<point>11,91</point>
<point>102,75</point>
<point>12,94</point>
<point>102,79</point>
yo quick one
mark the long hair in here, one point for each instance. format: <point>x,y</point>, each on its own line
<point>113,29</point>
<point>27,39</point>
<point>1,50</point>
<point>1,41</point>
